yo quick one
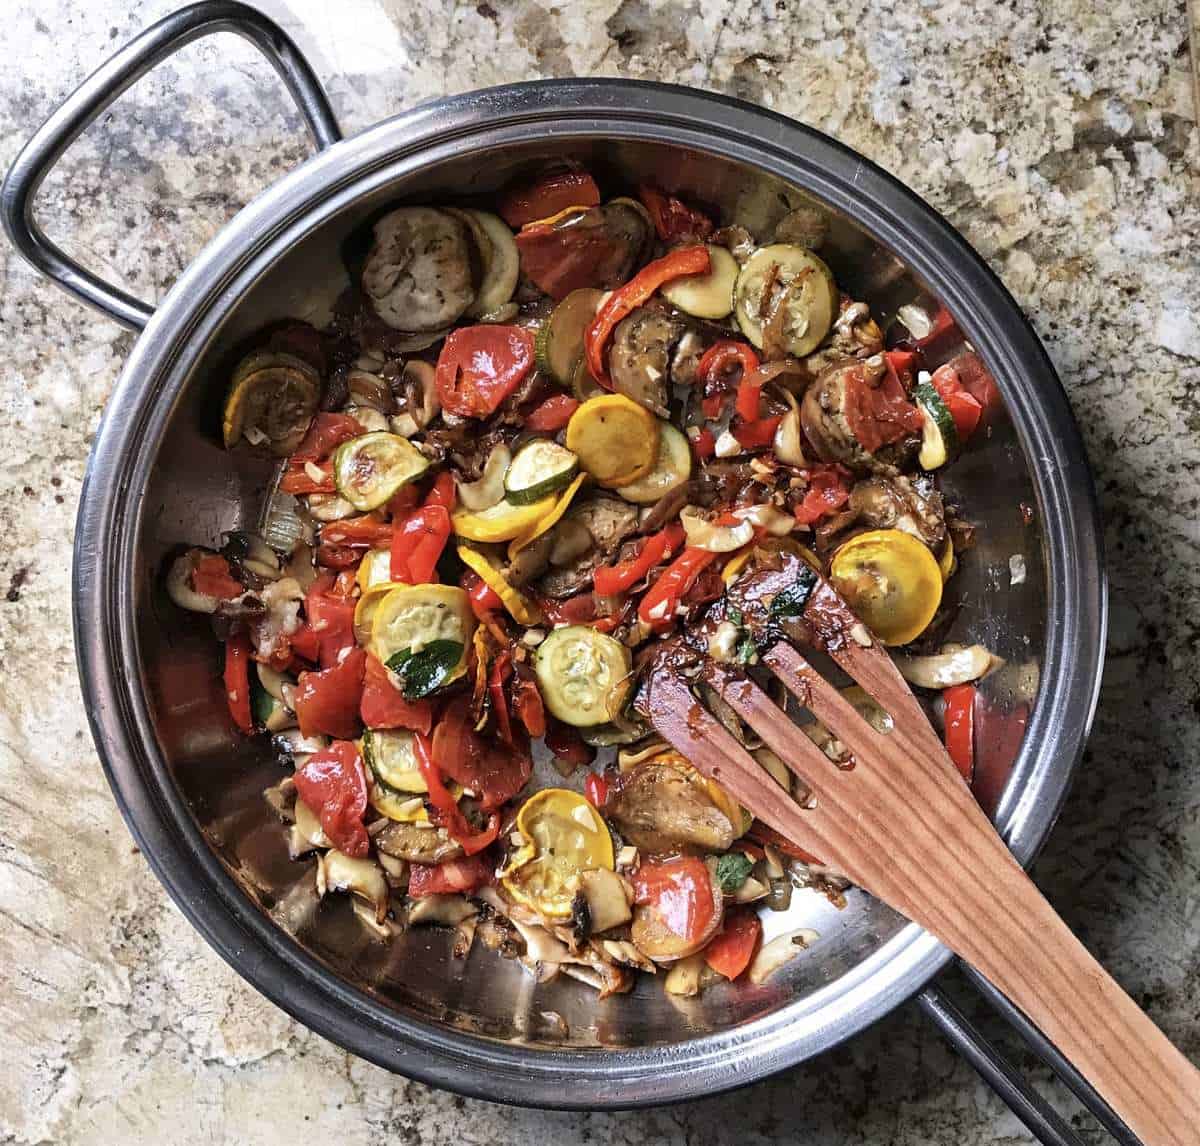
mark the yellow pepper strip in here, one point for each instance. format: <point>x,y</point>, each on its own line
<point>946,561</point>
<point>545,523</point>
<point>502,522</point>
<point>520,607</point>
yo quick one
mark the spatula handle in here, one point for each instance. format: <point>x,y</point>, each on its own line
<point>1005,928</point>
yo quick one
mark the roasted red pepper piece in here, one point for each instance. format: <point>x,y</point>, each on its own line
<point>211,577</point>
<point>484,599</point>
<point>330,618</point>
<point>453,877</point>
<point>881,414</point>
<point>828,491</point>
<point>332,783</point>
<point>552,415</point>
<point>674,221</point>
<point>237,681</point>
<point>729,954</point>
<point>768,835</point>
<point>497,675</point>
<point>548,196</point>
<point>367,532</point>
<point>496,771</point>
<point>626,299</point>
<point>610,580</point>
<point>960,727</point>
<point>328,701</point>
<point>325,433</point>
<point>297,479</point>
<point>964,407</point>
<point>444,804</point>
<point>480,366</point>
<point>756,435</point>
<point>383,705</point>
<point>657,608</point>
<point>595,788</point>
<point>704,444</point>
<point>527,700</point>
<point>418,543</point>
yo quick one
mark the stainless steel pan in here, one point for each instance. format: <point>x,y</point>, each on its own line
<point>158,477</point>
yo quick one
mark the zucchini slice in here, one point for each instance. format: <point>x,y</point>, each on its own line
<point>538,469</point>
<point>422,633</point>
<point>615,439</point>
<point>706,296</point>
<point>502,522</point>
<point>498,254</point>
<point>672,467</point>
<point>272,398</point>
<point>550,520</point>
<point>559,343</point>
<point>369,469</point>
<point>939,437</point>
<point>765,282</point>
<point>390,756</point>
<point>584,675</point>
<point>374,569</point>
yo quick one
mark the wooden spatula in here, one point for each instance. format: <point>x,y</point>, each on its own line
<point>901,823</point>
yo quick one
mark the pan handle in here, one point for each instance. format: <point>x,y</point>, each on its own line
<point>100,89</point>
<point>1046,1125</point>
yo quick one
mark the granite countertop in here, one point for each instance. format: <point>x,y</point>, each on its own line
<point>1062,141</point>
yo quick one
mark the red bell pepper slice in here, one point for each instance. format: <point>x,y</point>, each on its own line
<point>444,804</point>
<point>704,444</point>
<point>626,299</point>
<point>453,877</point>
<point>332,783</point>
<point>496,771</point>
<point>729,954</point>
<point>548,196</point>
<point>964,407</point>
<point>499,672</point>
<point>828,491</point>
<point>211,577</point>
<point>443,492</point>
<point>768,835</point>
<point>657,608</point>
<point>297,479</point>
<point>609,580</point>
<point>960,727</point>
<point>553,414</point>
<point>480,366</point>
<point>330,618</point>
<point>715,373</point>
<point>237,681</point>
<point>325,433</point>
<point>328,701</point>
<point>484,599</point>
<point>337,557</point>
<point>527,700</point>
<point>674,221</point>
<point>880,414</point>
<point>595,788</point>
<point>417,545</point>
<point>383,705</point>
<point>756,435</point>
<point>366,532</point>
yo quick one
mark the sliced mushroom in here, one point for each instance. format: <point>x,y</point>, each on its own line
<point>416,844</point>
<point>418,272</point>
<point>604,894</point>
<point>640,359</point>
<point>447,910</point>
<point>890,503</point>
<point>781,950</point>
<point>489,489</point>
<point>660,808</point>
<point>683,979</point>
<point>306,834</point>
<point>362,878</point>
<point>954,664</point>
<point>624,952</point>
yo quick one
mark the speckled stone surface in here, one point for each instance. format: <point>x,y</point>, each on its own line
<point>1059,137</point>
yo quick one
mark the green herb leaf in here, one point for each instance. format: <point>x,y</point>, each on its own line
<point>262,703</point>
<point>735,615</point>
<point>789,603</point>
<point>426,671</point>
<point>747,650</point>
<point>733,869</point>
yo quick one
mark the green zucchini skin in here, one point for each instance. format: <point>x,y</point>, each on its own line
<point>538,469</point>
<point>939,437</point>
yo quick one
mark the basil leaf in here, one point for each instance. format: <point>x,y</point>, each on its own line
<point>734,614</point>
<point>262,703</point>
<point>747,650</point>
<point>425,671</point>
<point>789,603</point>
<point>733,869</point>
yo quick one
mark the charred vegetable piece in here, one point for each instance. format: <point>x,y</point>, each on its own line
<point>564,836</point>
<point>785,300</point>
<point>597,248</point>
<point>539,468</point>
<point>370,469</point>
<point>891,581</point>
<point>409,841</point>
<point>559,345</point>
<point>584,675</point>
<point>615,439</point>
<point>272,399</point>
<point>498,256</point>
<point>663,805</point>
<point>418,272</point>
<point>640,360</point>
<point>549,195</point>
<point>710,295</point>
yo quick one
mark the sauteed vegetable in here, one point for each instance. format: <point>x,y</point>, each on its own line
<point>540,436</point>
